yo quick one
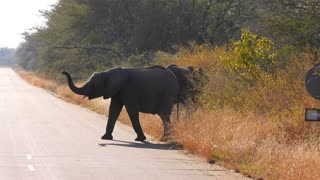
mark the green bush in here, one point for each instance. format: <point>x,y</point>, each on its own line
<point>251,56</point>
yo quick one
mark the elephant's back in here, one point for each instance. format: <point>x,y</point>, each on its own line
<point>152,73</point>
<point>151,88</point>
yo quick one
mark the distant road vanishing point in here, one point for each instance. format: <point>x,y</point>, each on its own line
<point>45,138</point>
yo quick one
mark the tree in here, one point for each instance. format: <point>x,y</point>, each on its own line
<point>292,22</point>
<point>95,34</point>
<point>7,56</point>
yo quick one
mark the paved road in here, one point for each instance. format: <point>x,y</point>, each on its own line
<point>44,138</point>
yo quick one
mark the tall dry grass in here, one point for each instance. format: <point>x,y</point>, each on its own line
<point>249,144</point>
<point>258,130</point>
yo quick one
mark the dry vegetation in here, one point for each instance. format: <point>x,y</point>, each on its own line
<point>257,129</point>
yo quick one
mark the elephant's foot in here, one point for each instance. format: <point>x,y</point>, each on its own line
<point>141,138</point>
<point>164,138</point>
<point>107,137</point>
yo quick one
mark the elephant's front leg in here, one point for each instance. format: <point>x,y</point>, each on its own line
<point>114,111</point>
<point>134,117</point>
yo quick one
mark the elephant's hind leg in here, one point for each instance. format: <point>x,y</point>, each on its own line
<point>166,125</point>
<point>114,111</point>
<point>134,117</point>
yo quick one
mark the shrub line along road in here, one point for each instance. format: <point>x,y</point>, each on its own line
<point>45,138</point>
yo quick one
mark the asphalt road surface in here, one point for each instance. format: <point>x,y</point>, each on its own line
<point>45,138</point>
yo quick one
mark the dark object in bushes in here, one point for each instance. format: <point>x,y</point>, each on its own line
<point>312,81</point>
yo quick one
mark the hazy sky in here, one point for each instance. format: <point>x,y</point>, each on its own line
<point>17,16</point>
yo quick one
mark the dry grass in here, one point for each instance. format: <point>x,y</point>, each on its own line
<point>259,131</point>
<point>247,143</point>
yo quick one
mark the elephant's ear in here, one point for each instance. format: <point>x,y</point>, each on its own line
<point>171,65</point>
<point>201,73</point>
<point>113,81</point>
<point>190,68</point>
<point>200,70</point>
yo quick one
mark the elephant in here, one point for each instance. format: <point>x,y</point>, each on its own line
<point>191,82</point>
<point>148,90</point>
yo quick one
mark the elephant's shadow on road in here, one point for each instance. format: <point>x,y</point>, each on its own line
<point>142,145</point>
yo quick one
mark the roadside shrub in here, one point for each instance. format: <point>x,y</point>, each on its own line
<point>251,58</point>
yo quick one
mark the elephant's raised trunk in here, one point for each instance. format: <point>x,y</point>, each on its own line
<point>80,91</point>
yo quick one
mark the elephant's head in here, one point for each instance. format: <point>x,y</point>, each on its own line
<point>191,81</point>
<point>104,84</point>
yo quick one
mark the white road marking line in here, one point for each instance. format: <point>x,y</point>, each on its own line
<point>31,168</point>
<point>29,156</point>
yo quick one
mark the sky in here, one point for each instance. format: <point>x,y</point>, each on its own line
<point>18,16</point>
